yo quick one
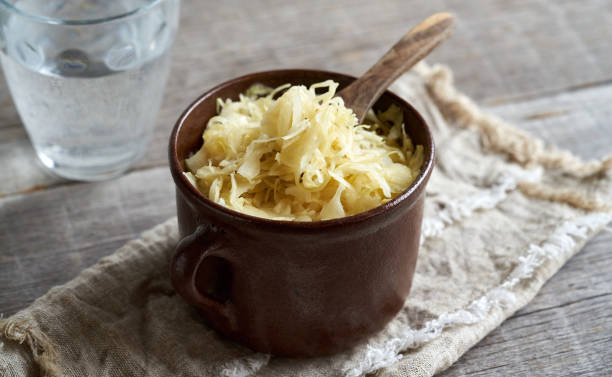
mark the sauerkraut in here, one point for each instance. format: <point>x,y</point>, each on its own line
<point>302,157</point>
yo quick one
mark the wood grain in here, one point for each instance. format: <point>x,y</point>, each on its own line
<point>70,227</point>
<point>49,236</point>
<point>548,74</point>
<point>565,330</point>
<point>578,121</point>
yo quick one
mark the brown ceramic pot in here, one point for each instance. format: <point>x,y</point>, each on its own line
<point>294,288</point>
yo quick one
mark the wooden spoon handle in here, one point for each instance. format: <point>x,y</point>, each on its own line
<point>414,46</point>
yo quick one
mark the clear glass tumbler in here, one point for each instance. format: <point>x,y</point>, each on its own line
<point>87,77</point>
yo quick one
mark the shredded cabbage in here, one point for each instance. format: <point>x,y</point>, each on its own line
<point>302,157</point>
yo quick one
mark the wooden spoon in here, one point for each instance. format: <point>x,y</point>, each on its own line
<point>414,46</point>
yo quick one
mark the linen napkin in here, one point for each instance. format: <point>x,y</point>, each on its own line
<point>503,214</point>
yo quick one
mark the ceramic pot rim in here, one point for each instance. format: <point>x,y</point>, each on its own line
<point>410,194</point>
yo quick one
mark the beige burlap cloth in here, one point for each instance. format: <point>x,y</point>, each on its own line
<point>503,213</point>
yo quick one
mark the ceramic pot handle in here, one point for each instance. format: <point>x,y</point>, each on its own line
<point>190,252</point>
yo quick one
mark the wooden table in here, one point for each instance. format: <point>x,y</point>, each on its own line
<point>545,65</point>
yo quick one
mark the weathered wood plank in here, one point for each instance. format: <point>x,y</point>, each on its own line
<point>69,229</point>
<point>504,52</point>
<point>49,236</point>
<point>63,237</point>
<point>578,121</point>
<point>566,330</point>
<point>501,50</point>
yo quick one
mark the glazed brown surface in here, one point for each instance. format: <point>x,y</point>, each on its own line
<point>294,288</point>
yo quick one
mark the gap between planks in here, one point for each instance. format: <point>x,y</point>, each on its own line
<point>542,94</point>
<point>562,305</point>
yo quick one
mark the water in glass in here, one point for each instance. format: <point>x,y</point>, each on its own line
<point>88,94</point>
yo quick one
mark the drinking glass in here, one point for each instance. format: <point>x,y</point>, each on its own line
<point>87,78</point>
